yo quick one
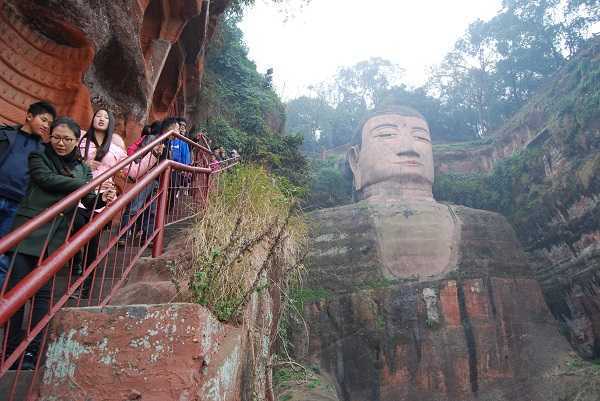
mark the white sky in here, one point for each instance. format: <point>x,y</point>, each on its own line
<point>327,34</point>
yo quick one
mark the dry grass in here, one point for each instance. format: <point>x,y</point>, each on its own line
<point>249,235</point>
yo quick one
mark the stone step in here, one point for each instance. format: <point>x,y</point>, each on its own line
<point>24,378</point>
<point>149,352</point>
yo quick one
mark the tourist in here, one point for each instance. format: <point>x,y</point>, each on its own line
<point>136,171</point>
<point>179,152</point>
<point>152,129</point>
<point>100,152</point>
<point>182,126</point>
<point>220,153</point>
<point>56,170</point>
<point>98,147</point>
<point>214,163</point>
<point>118,140</point>
<point>16,144</point>
<point>195,134</point>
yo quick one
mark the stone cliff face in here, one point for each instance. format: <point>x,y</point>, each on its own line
<point>548,114</point>
<point>145,346</point>
<point>555,213</point>
<point>141,59</point>
<point>482,331</point>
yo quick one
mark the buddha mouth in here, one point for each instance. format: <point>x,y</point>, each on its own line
<point>410,163</point>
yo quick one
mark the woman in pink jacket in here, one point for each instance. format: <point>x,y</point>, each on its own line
<point>99,147</point>
<point>100,152</point>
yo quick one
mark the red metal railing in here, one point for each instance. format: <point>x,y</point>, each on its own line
<point>100,250</point>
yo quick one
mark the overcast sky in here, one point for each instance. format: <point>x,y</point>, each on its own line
<point>326,34</point>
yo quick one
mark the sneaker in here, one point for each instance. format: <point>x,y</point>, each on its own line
<point>124,239</point>
<point>28,362</point>
<point>81,293</point>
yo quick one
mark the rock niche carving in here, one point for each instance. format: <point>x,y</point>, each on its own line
<point>142,59</point>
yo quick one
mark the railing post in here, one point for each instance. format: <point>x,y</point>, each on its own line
<point>161,213</point>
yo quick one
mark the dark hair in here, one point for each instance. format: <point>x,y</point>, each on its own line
<point>69,122</point>
<point>90,136</point>
<point>145,131</point>
<point>155,128</point>
<point>182,120</point>
<point>42,107</point>
<point>167,122</point>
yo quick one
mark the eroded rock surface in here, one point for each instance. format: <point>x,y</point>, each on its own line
<point>555,205</point>
<point>478,331</point>
<point>140,59</point>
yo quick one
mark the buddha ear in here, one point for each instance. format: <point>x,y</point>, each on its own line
<point>352,156</point>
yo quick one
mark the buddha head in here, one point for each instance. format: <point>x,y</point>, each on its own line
<point>393,154</point>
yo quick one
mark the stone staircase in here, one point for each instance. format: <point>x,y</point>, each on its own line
<point>144,346</point>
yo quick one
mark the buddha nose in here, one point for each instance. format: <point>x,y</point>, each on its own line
<point>406,146</point>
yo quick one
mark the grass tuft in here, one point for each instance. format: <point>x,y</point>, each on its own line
<point>250,238</point>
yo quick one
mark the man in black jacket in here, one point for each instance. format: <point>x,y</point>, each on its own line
<point>16,143</point>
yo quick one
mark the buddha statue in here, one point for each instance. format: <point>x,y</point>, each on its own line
<point>392,164</point>
<point>412,299</point>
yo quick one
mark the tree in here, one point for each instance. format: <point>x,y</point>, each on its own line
<point>367,81</point>
<point>464,80</point>
<point>498,65</point>
<point>579,16</point>
<point>243,111</point>
<point>307,116</point>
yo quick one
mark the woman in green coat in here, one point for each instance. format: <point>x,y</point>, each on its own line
<point>54,173</point>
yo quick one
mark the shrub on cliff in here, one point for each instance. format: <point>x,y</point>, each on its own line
<point>249,238</point>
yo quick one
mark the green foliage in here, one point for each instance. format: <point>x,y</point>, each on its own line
<point>491,72</point>
<point>285,375</point>
<point>249,229</point>
<point>297,376</point>
<point>306,115</point>
<point>243,111</point>
<point>339,105</point>
<point>301,295</point>
<point>498,65</point>
<point>331,183</point>
<point>499,191</point>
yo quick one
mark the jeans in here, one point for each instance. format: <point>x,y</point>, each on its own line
<point>89,253</point>
<point>23,265</point>
<point>146,220</point>
<point>8,209</point>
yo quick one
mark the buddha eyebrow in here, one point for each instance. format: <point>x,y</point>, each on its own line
<point>385,126</point>
<point>420,129</point>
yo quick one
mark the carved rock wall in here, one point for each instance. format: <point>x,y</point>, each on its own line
<point>561,233</point>
<point>34,67</point>
<point>142,59</point>
<point>482,332</point>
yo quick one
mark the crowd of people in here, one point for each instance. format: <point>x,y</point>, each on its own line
<point>47,158</point>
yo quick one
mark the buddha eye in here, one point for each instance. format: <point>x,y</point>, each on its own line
<point>386,135</point>
<point>422,138</point>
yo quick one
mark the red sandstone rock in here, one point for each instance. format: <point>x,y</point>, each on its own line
<point>141,59</point>
<point>163,352</point>
<point>482,332</point>
<point>113,353</point>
